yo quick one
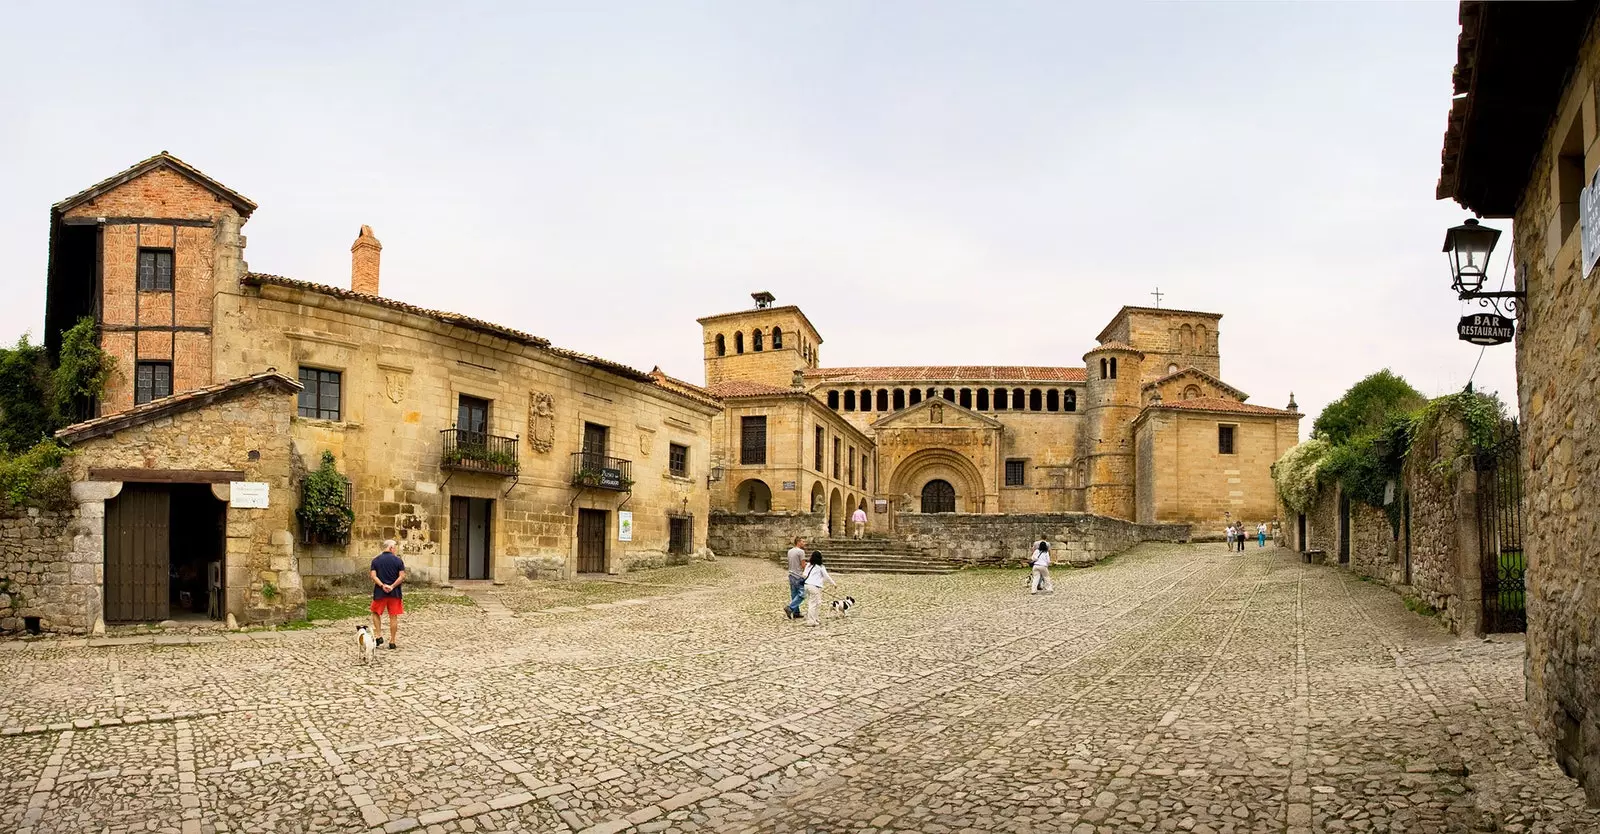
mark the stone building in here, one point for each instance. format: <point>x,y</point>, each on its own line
<point>489,453</point>
<point>1521,144</point>
<point>1145,430</point>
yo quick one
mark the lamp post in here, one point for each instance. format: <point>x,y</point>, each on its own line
<point>1468,247</point>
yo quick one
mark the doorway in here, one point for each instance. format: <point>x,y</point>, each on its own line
<point>1300,541</point>
<point>1344,529</point>
<point>470,537</point>
<point>938,496</point>
<point>592,527</point>
<point>164,547</point>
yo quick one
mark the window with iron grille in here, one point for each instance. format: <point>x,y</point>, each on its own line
<point>320,396</point>
<point>821,440</point>
<point>680,534</point>
<point>678,460</point>
<point>152,381</point>
<point>752,439</point>
<point>836,457</point>
<point>155,270</point>
<point>863,471</point>
<point>1016,472</point>
<point>850,467</point>
<point>1225,440</point>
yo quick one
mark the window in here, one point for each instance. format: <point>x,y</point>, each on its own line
<point>1052,400</point>
<point>864,472</point>
<point>899,398</point>
<point>833,400</point>
<point>983,399</point>
<point>849,401</point>
<point>999,399</point>
<point>836,457</point>
<point>1569,178</point>
<point>821,440</point>
<point>1103,368</point>
<point>155,270</point>
<point>777,338</point>
<point>883,399</point>
<point>752,439</point>
<point>1016,472</point>
<point>755,341</point>
<point>1113,367</point>
<point>850,466</point>
<point>738,342</point>
<point>949,395</point>
<point>320,396</point>
<point>1070,400</point>
<point>154,381</point>
<point>722,345</point>
<point>1225,440</point>
<point>966,398</point>
<point>680,537</point>
<point>1035,400</point>
<point>916,396</point>
<point>678,460</point>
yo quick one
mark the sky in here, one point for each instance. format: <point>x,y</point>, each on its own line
<point>931,182</point>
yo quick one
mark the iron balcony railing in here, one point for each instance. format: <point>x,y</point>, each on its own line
<point>590,469</point>
<point>475,451</point>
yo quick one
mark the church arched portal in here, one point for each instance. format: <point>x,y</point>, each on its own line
<point>938,496</point>
<point>912,474</point>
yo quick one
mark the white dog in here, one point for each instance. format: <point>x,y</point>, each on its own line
<point>843,606</point>
<point>365,643</point>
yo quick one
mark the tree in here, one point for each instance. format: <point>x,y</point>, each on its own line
<point>25,413</point>
<point>1366,408</point>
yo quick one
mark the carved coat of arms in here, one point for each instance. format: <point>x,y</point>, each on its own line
<point>394,384</point>
<point>541,421</point>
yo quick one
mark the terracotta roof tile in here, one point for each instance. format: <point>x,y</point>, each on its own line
<point>1192,370</point>
<point>1228,406</point>
<point>688,389</point>
<point>949,373</point>
<point>738,388</point>
<point>256,279</point>
<point>1115,346</point>
<point>244,204</point>
<point>175,404</point>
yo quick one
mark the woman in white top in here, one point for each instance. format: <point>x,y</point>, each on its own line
<point>816,574</point>
<point>1041,569</point>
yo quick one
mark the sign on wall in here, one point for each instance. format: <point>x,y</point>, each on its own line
<point>880,505</point>
<point>1589,223</point>
<point>247,494</point>
<point>1486,329</point>
<point>624,526</point>
<point>788,486</point>
<point>610,478</point>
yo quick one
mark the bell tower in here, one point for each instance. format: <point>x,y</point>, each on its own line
<point>764,344</point>
<point>1115,372</point>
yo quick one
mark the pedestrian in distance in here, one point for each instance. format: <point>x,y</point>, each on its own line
<point>387,572</point>
<point>1261,534</point>
<point>797,578</point>
<point>1240,537</point>
<point>859,518</point>
<point>1229,535</point>
<point>1040,562</point>
<point>816,576</point>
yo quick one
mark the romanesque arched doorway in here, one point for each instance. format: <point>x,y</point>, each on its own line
<point>910,477</point>
<point>938,496</point>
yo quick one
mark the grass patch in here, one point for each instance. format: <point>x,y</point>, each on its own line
<point>1416,604</point>
<point>324,609</point>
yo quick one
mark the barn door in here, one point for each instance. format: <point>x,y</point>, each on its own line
<point>138,554</point>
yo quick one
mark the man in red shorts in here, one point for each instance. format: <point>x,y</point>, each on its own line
<point>387,574</point>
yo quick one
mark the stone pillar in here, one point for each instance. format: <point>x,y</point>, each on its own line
<point>1468,618</point>
<point>86,557</point>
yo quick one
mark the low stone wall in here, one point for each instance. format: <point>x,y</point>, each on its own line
<point>1075,538</point>
<point>42,576</point>
<point>1372,538</point>
<point>763,535</point>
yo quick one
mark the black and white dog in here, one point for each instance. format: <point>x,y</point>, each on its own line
<point>365,642</point>
<point>843,606</point>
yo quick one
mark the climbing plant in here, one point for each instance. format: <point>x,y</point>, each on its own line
<point>1296,474</point>
<point>325,512</point>
<point>80,374</point>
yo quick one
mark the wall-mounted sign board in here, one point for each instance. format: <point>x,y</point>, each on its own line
<point>1486,329</point>
<point>247,494</point>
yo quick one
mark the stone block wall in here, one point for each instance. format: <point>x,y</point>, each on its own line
<point>994,540</point>
<point>41,575</point>
<point>763,535</point>
<point>1372,543</point>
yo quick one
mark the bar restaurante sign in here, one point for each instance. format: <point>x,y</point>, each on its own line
<point>1486,329</point>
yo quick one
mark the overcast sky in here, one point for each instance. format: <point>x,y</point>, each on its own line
<point>932,182</point>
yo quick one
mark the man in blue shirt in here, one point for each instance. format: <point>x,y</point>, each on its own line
<point>388,571</point>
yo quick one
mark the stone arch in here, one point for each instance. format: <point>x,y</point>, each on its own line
<point>849,504</point>
<point>949,395</point>
<point>1172,368</point>
<point>1083,474</point>
<point>1186,338</point>
<point>983,399</point>
<point>1070,400</point>
<point>916,396</point>
<point>833,400</point>
<point>756,341</point>
<point>738,341</point>
<point>1018,399</point>
<point>1000,399</point>
<point>722,345</point>
<point>849,399</point>
<point>754,496</point>
<point>925,465</point>
<point>861,503</point>
<point>899,398</point>
<point>777,338</point>
<point>965,398</point>
<point>866,399</point>
<point>819,497</point>
<point>1052,400</point>
<point>883,399</point>
<point>836,514</point>
<point>1192,392</point>
<point>1202,339</point>
<point>938,496</point>
<point>1035,400</point>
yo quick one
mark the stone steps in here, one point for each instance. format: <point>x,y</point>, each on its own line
<point>879,555</point>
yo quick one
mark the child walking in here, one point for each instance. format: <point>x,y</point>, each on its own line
<point>816,575</point>
<point>1041,569</point>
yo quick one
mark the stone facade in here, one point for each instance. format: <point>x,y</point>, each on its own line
<point>1187,476</point>
<point>1076,539</point>
<point>38,577</point>
<point>764,535</point>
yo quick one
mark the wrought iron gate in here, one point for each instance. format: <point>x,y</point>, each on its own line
<point>1500,534</point>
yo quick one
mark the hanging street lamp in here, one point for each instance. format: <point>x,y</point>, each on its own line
<point>1468,248</point>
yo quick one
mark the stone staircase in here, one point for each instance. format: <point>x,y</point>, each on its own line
<point>878,555</point>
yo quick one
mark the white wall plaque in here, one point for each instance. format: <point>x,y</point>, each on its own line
<point>247,494</point>
<point>624,526</point>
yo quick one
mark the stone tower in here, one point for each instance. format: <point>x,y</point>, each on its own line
<point>763,344</point>
<point>1115,375</point>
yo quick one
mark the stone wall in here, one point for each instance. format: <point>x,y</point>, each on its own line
<point>763,535</point>
<point>39,574</point>
<point>1075,538</point>
<point>1372,543</point>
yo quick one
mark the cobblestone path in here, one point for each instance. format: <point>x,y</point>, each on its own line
<point>1177,688</point>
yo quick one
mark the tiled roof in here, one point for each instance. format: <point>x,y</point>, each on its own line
<point>1228,406</point>
<point>738,388</point>
<point>160,160</point>
<point>256,279</point>
<point>948,373</point>
<point>688,389</point>
<point>175,404</point>
<point>1115,346</point>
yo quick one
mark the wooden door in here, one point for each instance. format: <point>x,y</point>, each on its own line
<point>470,538</point>
<point>594,446</point>
<point>138,554</point>
<point>458,537</point>
<point>938,497</point>
<point>592,529</point>
<point>472,420</point>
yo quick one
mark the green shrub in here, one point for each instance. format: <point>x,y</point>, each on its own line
<point>325,508</point>
<point>32,478</point>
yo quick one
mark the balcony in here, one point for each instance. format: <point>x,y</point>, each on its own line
<point>597,471</point>
<point>472,451</point>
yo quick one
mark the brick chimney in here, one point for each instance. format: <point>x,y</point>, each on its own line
<point>364,254</point>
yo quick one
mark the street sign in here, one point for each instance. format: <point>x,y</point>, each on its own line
<point>252,494</point>
<point>1486,329</point>
<point>1589,224</point>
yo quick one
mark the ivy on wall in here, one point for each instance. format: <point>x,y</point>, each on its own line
<point>325,510</point>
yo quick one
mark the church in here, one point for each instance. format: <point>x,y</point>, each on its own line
<point>1145,429</point>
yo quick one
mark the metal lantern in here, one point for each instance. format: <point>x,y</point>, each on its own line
<point>1468,246</point>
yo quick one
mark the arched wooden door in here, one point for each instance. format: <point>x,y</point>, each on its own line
<point>938,496</point>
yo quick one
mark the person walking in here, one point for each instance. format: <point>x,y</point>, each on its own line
<point>1261,534</point>
<point>816,575</point>
<point>1240,537</point>
<point>387,572</point>
<point>1229,534</point>
<point>1040,560</point>
<point>859,518</point>
<point>797,578</point>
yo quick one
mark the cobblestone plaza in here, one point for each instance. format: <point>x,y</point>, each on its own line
<point>1174,688</point>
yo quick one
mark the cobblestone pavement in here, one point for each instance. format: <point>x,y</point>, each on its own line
<point>1177,688</point>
